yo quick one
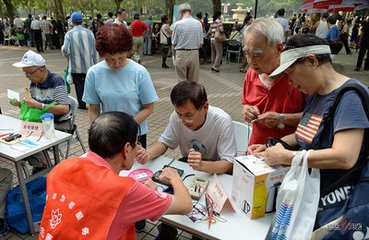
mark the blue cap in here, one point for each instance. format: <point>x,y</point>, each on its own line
<point>47,116</point>
<point>76,17</point>
<point>136,15</point>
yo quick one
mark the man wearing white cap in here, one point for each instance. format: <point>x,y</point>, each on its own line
<point>79,47</point>
<point>272,106</point>
<point>45,88</point>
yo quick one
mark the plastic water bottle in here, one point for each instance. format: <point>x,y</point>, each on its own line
<point>48,124</point>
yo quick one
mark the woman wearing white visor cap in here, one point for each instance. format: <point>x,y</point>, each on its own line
<point>341,144</point>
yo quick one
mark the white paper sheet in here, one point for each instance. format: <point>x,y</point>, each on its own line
<point>13,95</point>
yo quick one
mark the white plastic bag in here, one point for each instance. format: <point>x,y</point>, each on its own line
<point>297,201</point>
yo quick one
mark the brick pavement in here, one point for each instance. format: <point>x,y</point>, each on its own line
<point>224,91</point>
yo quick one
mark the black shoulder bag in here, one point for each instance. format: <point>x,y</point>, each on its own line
<point>341,219</point>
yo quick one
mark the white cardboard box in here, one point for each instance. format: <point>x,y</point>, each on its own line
<point>255,185</point>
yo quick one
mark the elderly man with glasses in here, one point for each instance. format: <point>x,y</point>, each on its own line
<point>273,106</point>
<point>45,88</point>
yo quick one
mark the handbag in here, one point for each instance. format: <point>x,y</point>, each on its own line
<point>220,36</point>
<point>273,141</point>
<point>297,201</point>
<point>66,82</point>
<point>15,212</point>
<point>169,39</point>
<point>20,36</point>
<point>343,217</point>
<point>33,114</point>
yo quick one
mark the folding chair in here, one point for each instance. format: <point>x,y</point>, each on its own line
<point>73,127</point>
<point>234,46</point>
<point>242,134</point>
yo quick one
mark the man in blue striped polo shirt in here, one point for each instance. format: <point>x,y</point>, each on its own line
<point>79,47</point>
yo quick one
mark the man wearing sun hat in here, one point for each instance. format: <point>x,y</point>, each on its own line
<point>79,47</point>
<point>45,88</point>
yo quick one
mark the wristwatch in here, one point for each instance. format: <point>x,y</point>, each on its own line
<point>281,121</point>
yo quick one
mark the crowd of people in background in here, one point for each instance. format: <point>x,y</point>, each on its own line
<point>42,32</point>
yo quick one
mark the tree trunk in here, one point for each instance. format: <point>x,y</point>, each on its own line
<point>1,9</point>
<point>169,8</point>
<point>117,3</point>
<point>217,5</point>
<point>92,9</point>
<point>10,9</point>
<point>59,8</point>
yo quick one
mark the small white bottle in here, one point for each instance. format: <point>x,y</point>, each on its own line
<point>48,124</point>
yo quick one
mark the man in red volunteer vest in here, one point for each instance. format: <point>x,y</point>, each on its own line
<point>87,199</point>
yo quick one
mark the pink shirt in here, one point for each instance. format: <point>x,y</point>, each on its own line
<point>140,203</point>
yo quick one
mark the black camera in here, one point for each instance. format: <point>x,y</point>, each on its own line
<point>156,175</point>
<point>12,137</point>
<point>273,141</point>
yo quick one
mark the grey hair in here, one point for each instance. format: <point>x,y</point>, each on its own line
<point>270,29</point>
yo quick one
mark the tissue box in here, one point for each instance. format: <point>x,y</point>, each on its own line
<point>255,185</point>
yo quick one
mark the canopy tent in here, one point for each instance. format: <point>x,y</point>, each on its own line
<point>320,6</point>
<point>324,4</point>
<point>341,8</point>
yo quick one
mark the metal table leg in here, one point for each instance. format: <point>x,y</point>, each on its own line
<point>56,155</point>
<point>23,189</point>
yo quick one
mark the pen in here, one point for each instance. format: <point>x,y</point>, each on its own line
<point>209,207</point>
<point>171,162</point>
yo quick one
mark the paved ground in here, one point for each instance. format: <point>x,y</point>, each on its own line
<point>224,91</point>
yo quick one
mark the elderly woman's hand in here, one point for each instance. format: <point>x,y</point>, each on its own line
<point>276,155</point>
<point>255,148</point>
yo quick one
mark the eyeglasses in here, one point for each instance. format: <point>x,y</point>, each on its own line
<point>190,119</point>
<point>257,53</point>
<point>133,145</point>
<point>30,74</point>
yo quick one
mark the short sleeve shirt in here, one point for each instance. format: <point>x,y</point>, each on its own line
<point>52,89</point>
<point>350,114</point>
<point>215,140</point>
<point>138,27</point>
<point>281,98</point>
<point>126,89</point>
<point>140,203</point>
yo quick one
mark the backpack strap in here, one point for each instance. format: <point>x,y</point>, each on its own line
<point>353,175</point>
